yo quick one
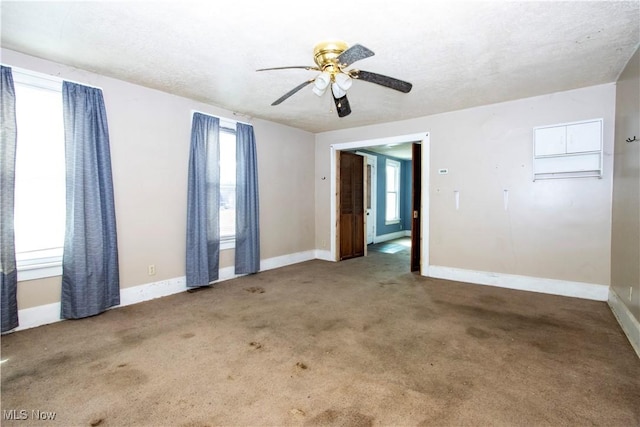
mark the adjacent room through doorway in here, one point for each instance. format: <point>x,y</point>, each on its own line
<point>388,181</point>
<point>402,244</point>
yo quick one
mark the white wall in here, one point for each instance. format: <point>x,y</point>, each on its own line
<point>626,189</point>
<point>625,241</point>
<point>554,229</point>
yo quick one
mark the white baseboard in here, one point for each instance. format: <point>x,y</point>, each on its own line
<point>324,255</point>
<point>524,283</point>
<point>149,291</point>
<point>50,313</point>
<point>281,261</point>
<point>627,321</point>
<point>391,236</point>
<point>38,316</point>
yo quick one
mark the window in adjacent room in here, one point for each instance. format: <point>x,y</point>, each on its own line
<point>227,186</point>
<point>392,215</point>
<point>39,212</point>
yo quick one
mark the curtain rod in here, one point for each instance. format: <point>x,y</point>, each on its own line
<point>222,118</point>
<point>50,77</point>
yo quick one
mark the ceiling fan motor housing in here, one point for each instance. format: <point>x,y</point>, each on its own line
<point>326,54</point>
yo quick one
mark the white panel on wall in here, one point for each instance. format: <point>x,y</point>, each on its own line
<point>549,141</point>
<point>584,137</point>
<point>569,150</point>
<point>568,164</point>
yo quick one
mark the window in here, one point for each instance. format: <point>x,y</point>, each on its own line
<point>392,215</point>
<point>227,186</point>
<point>39,212</point>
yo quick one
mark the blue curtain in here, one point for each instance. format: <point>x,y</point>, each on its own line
<point>7,188</point>
<point>247,211</point>
<point>90,275</point>
<point>203,202</point>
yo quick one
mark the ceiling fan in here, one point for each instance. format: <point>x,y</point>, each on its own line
<point>332,58</point>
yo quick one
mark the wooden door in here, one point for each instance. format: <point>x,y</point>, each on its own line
<point>416,191</point>
<point>351,207</point>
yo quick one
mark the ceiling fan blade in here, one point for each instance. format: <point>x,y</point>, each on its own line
<point>342,106</point>
<point>292,91</point>
<point>353,54</point>
<point>304,67</point>
<point>386,81</point>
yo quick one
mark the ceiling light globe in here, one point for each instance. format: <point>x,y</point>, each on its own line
<point>317,91</point>
<point>338,92</point>
<point>344,81</point>
<point>322,81</point>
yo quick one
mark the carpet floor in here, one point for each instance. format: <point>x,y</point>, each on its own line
<point>357,343</point>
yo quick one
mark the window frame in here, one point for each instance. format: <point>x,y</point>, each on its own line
<point>228,242</point>
<point>45,262</point>
<point>397,172</point>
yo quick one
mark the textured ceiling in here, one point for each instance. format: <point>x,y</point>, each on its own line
<point>456,54</point>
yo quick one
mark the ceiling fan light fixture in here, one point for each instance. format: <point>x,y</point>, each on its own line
<point>332,58</point>
<point>341,84</point>
<point>343,81</point>
<point>321,83</point>
<point>338,92</point>
<point>318,92</point>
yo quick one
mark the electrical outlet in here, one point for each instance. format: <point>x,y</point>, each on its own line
<point>151,270</point>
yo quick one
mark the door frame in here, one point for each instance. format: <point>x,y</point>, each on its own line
<point>374,196</point>
<point>424,139</point>
<point>416,195</point>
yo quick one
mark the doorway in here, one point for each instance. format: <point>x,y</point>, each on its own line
<point>416,203</point>
<point>422,237</point>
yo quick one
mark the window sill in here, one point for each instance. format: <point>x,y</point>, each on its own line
<point>228,243</point>
<point>391,222</point>
<point>39,271</point>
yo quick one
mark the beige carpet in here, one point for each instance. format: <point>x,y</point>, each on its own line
<point>357,343</point>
